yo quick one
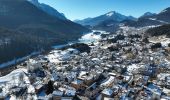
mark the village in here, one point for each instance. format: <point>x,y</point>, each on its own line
<point>122,66</point>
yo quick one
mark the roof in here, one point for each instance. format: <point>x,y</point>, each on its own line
<point>57,93</point>
<point>108,92</point>
<point>77,81</point>
<point>70,92</point>
<point>108,81</point>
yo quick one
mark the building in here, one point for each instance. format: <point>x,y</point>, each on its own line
<point>77,84</point>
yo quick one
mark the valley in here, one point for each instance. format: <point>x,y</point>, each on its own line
<point>46,54</point>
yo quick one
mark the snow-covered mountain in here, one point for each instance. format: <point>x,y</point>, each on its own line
<point>108,16</point>
<point>150,19</point>
<point>48,9</point>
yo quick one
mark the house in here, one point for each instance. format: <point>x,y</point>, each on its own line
<point>38,86</point>
<point>77,84</point>
<point>141,80</point>
<point>92,91</point>
<point>107,93</point>
<point>18,91</point>
<point>57,95</point>
<point>115,89</point>
<point>156,91</point>
<point>167,82</point>
<point>88,78</point>
<point>128,79</point>
<point>166,91</point>
<point>70,93</point>
<point>108,82</point>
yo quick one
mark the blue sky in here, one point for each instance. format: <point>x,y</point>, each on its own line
<point>80,9</point>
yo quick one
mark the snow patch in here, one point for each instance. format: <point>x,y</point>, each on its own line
<point>91,37</point>
<point>109,14</point>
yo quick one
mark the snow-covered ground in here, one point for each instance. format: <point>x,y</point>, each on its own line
<point>91,37</point>
<point>19,76</point>
<point>15,78</point>
<point>159,20</point>
<point>58,55</point>
<point>3,65</point>
<point>160,39</point>
<point>10,78</point>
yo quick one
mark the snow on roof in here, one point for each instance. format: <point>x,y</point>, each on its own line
<point>58,93</point>
<point>112,74</point>
<point>82,73</point>
<point>108,92</point>
<point>162,76</point>
<point>70,92</point>
<point>165,90</point>
<point>155,89</point>
<point>30,89</point>
<point>95,59</point>
<point>108,81</point>
<point>127,78</point>
<point>77,81</point>
<point>132,67</point>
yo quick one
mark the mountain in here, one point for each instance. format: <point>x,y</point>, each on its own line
<point>23,21</point>
<point>108,16</point>
<point>151,19</point>
<point>48,9</point>
<point>148,14</point>
<point>164,15</point>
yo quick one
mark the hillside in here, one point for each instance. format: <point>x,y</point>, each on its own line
<point>30,29</point>
<point>161,30</point>
<point>23,16</point>
<point>16,44</point>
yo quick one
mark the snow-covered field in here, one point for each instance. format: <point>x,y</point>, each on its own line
<point>17,77</point>
<point>161,39</point>
<point>56,56</point>
<point>91,37</point>
<point>10,78</point>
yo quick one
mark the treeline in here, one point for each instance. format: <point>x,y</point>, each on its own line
<point>14,44</point>
<point>161,30</point>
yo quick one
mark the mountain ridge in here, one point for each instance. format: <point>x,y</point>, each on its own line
<point>48,9</point>
<point>112,15</point>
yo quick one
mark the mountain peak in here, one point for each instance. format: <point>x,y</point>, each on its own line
<point>111,13</point>
<point>147,14</point>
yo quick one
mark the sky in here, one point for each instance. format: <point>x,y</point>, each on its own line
<point>80,9</point>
